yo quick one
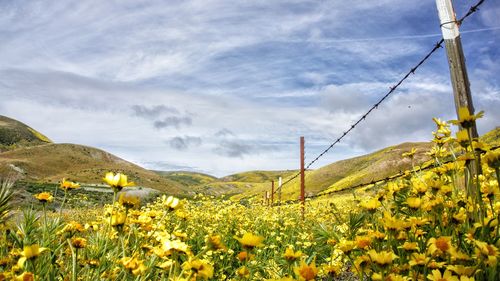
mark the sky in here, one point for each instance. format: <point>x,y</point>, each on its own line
<point>220,87</point>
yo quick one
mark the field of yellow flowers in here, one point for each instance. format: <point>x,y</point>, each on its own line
<point>435,224</point>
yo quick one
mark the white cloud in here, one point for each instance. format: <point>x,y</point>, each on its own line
<point>238,76</point>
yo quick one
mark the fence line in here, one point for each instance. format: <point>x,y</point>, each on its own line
<point>437,46</point>
<point>389,178</point>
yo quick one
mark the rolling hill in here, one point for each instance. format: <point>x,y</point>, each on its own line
<point>15,134</point>
<point>32,157</point>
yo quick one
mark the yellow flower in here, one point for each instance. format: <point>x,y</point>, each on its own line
<point>410,246</point>
<point>129,201</point>
<point>418,259</point>
<point>214,242</point>
<point>78,242</point>
<point>333,269</point>
<point>393,223</point>
<point>439,246</point>
<point>172,203</point>
<point>363,242</point>
<point>71,228</point>
<point>465,118</point>
<point>488,251</point>
<point>290,255</point>
<point>437,276</point>
<point>382,257</point>
<point>346,245</point>
<point>30,252</point>
<point>414,202</point>
<point>25,276</point>
<point>66,185</point>
<point>243,272</point>
<point>118,181</point>
<point>462,270</point>
<point>134,265</point>
<point>410,154</point>
<point>361,263</point>
<point>305,271</point>
<point>250,240</point>
<point>201,268</point>
<point>245,256</point>
<point>463,138</point>
<point>371,205</point>
<point>492,158</point>
<point>118,219</point>
<point>44,197</point>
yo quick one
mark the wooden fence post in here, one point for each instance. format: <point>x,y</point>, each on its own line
<point>302,177</point>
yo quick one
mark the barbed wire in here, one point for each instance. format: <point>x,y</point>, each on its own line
<point>437,46</point>
<point>389,178</point>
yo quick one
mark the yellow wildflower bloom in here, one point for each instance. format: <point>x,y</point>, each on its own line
<point>410,246</point>
<point>492,158</point>
<point>78,242</point>
<point>214,242</point>
<point>414,202</point>
<point>346,245</point>
<point>462,270</point>
<point>290,255</point>
<point>305,271</point>
<point>129,201</point>
<point>25,276</point>
<point>30,252</point>
<point>134,265</point>
<point>245,256</point>
<point>201,268</point>
<point>382,257</point>
<point>172,203</point>
<point>465,118</point>
<point>118,181</point>
<point>249,240</point>
<point>67,185</point>
<point>439,246</point>
<point>437,276</point>
<point>363,242</point>
<point>488,251</point>
<point>44,197</point>
<point>371,204</point>
<point>463,138</point>
<point>410,154</point>
<point>418,259</point>
<point>243,272</point>
<point>118,219</point>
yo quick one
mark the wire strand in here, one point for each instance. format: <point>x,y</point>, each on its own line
<point>437,46</point>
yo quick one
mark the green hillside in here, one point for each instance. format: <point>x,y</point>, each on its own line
<point>258,176</point>
<point>187,179</point>
<point>14,134</point>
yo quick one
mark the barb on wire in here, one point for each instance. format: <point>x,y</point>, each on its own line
<point>437,46</point>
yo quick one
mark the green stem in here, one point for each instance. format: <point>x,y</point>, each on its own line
<point>62,204</point>
<point>74,255</point>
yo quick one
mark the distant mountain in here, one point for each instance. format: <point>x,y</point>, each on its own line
<point>32,157</point>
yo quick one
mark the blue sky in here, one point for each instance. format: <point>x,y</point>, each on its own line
<point>227,86</point>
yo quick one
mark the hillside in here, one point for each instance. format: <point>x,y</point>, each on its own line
<point>187,179</point>
<point>14,134</point>
<point>29,155</point>
<point>258,176</point>
<point>353,171</point>
<point>52,162</point>
<point>360,170</point>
